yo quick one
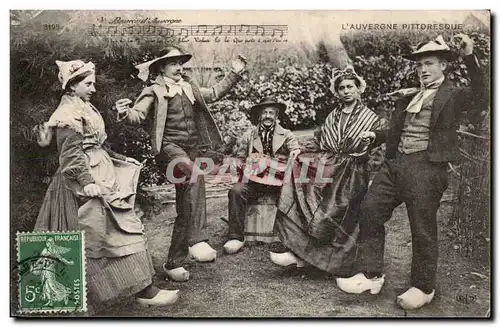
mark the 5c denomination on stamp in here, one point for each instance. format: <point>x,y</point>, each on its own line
<point>51,272</point>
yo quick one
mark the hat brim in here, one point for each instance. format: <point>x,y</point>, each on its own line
<point>446,54</point>
<point>145,66</point>
<point>183,58</point>
<point>255,110</point>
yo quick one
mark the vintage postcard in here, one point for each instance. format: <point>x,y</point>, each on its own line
<point>250,163</point>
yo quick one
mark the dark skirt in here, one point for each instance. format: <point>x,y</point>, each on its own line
<point>318,220</point>
<point>59,211</point>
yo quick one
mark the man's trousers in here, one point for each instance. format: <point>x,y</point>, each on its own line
<point>414,180</point>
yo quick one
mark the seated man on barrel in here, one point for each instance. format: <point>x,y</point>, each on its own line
<point>267,142</point>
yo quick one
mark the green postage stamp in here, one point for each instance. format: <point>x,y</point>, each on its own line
<point>51,272</point>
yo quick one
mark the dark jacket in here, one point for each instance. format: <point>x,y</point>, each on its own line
<point>154,98</point>
<point>284,142</point>
<point>448,105</point>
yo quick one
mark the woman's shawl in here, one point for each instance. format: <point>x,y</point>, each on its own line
<point>74,114</point>
<point>335,139</point>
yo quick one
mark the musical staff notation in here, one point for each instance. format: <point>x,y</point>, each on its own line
<point>242,30</point>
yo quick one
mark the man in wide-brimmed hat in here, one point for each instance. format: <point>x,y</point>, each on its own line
<point>266,141</point>
<point>183,129</point>
<point>421,141</point>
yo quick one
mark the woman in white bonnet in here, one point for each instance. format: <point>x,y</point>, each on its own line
<point>94,190</point>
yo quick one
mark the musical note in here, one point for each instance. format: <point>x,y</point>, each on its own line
<point>231,27</point>
<point>112,30</point>
<point>184,30</point>
<point>149,30</point>
<point>257,30</point>
<point>202,26</point>
<point>168,32</point>
<point>274,32</point>
<point>219,28</point>
<point>127,30</point>
<point>247,27</point>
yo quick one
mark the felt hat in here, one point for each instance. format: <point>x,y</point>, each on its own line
<point>265,102</point>
<point>172,54</point>
<point>436,47</point>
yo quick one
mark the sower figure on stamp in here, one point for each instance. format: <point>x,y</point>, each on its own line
<point>45,266</point>
<point>183,129</point>
<point>421,140</point>
<point>266,139</point>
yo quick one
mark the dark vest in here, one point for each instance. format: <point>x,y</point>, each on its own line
<point>180,127</point>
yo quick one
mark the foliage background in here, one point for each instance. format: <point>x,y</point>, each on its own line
<point>298,78</point>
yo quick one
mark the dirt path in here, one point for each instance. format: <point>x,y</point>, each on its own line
<point>248,284</point>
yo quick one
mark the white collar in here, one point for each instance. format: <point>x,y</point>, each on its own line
<point>178,87</point>
<point>170,81</point>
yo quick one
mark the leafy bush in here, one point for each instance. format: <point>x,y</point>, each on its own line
<point>305,89</point>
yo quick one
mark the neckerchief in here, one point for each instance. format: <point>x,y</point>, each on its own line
<point>178,87</point>
<point>266,137</point>
<point>417,102</point>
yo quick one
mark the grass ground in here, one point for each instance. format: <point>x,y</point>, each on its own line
<point>248,284</point>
